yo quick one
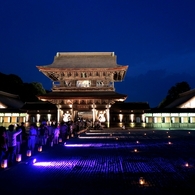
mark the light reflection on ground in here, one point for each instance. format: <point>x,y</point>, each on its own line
<point>117,165</point>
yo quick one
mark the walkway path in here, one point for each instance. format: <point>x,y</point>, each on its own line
<point>107,163</point>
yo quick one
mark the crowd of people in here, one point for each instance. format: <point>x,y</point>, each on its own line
<point>15,136</point>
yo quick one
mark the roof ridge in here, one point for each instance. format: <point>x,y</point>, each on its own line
<point>84,53</point>
<point>187,92</point>
<point>9,94</point>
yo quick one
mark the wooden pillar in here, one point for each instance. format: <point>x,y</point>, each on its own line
<point>58,113</point>
<point>108,115</point>
<point>94,113</point>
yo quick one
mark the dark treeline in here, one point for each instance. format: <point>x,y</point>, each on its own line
<point>173,93</point>
<point>27,91</point>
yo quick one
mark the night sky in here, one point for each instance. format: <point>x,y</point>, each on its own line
<point>156,38</point>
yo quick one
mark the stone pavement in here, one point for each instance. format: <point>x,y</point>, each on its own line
<point>107,163</point>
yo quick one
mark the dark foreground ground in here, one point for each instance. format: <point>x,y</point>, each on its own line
<point>107,164</point>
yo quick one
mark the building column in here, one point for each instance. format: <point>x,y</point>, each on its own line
<point>58,113</point>
<point>72,112</point>
<point>143,118</point>
<point>108,115</point>
<point>147,120</point>
<point>94,113</point>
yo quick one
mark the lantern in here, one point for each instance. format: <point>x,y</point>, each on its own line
<point>72,135</point>
<point>68,137</point>
<point>4,163</point>
<point>18,157</point>
<point>137,142</point>
<point>169,136</point>
<point>144,133</point>
<point>186,165</point>
<point>116,138</point>
<point>39,148</point>
<point>60,140</point>
<point>141,181</point>
<point>28,153</point>
<point>135,150</point>
<point>169,143</point>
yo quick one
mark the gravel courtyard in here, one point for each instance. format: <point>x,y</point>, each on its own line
<point>108,162</point>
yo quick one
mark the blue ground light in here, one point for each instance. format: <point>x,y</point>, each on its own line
<point>102,164</point>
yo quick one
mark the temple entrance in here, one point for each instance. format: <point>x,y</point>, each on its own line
<point>85,115</point>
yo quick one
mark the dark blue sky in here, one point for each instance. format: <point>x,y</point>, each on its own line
<point>156,38</point>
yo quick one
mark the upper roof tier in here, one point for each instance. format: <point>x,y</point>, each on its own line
<point>83,60</point>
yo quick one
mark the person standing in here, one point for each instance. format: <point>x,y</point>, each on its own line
<point>24,135</point>
<point>56,134</point>
<point>63,131</point>
<point>3,143</point>
<point>32,137</point>
<point>11,136</point>
<point>18,140</point>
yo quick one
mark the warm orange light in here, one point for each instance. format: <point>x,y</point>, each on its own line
<point>4,163</point>
<point>135,150</point>
<point>141,181</point>
<point>18,157</point>
<point>28,153</point>
<point>187,165</point>
<point>39,148</point>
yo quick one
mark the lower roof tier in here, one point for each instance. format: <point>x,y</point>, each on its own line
<point>60,97</point>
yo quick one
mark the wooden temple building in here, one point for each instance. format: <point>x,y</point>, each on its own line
<point>83,88</point>
<point>83,85</point>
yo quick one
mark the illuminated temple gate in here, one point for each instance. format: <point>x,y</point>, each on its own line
<point>83,85</point>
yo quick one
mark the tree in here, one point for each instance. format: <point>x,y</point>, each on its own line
<point>27,91</point>
<point>173,93</point>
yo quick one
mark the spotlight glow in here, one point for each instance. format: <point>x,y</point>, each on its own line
<point>186,165</point>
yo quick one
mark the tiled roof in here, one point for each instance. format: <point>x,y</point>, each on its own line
<point>171,110</point>
<point>131,106</point>
<point>83,60</point>
<point>38,105</point>
<point>183,97</point>
<point>83,95</point>
<point>10,100</point>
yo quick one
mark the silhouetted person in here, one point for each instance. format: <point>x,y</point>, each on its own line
<point>11,136</point>
<point>3,143</point>
<point>23,128</point>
